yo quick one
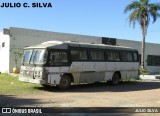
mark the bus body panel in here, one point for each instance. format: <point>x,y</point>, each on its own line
<point>104,72</point>
<point>31,80</point>
<point>54,79</point>
<point>42,70</point>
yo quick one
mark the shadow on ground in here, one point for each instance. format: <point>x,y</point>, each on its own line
<point>14,101</point>
<point>104,87</point>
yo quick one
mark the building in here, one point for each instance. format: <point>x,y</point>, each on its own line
<point>20,38</point>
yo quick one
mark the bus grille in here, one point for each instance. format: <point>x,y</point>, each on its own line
<point>28,73</point>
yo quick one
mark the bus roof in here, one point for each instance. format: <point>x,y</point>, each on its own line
<point>66,44</point>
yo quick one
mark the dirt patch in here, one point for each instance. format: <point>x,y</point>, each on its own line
<point>130,94</point>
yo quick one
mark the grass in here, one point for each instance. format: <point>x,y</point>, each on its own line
<point>10,85</point>
<point>144,71</point>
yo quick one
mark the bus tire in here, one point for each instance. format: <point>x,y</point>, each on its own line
<point>115,79</point>
<point>65,82</point>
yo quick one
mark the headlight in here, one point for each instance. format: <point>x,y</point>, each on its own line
<point>40,73</point>
<point>21,72</point>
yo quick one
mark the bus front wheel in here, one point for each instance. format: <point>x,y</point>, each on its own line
<point>65,82</point>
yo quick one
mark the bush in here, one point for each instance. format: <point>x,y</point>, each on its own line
<point>144,71</point>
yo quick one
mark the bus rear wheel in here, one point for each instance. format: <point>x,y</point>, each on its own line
<point>65,82</point>
<point>115,79</point>
<point>47,86</point>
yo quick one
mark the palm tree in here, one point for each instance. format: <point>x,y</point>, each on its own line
<point>141,12</point>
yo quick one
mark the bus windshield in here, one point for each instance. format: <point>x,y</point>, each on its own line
<point>35,56</point>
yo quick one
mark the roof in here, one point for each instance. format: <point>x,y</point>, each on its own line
<point>66,44</point>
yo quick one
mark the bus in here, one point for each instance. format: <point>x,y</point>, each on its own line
<point>62,63</point>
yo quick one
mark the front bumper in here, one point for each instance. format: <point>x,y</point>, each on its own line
<point>30,80</point>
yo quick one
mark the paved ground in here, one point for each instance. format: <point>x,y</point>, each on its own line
<point>150,77</point>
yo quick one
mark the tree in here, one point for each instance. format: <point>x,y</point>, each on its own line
<point>141,12</point>
<point>17,54</point>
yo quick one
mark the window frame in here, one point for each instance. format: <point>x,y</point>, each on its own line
<point>132,53</point>
<point>80,49</point>
<point>97,50</point>
<point>58,50</point>
<point>136,52</point>
<point>153,62</point>
<point>112,50</point>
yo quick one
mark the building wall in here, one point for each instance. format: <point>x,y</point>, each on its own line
<point>150,49</point>
<point>4,52</point>
<point>21,38</point>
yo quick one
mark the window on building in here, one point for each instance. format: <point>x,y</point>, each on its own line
<point>153,60</point>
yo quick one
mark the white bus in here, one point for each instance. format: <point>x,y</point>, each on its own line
<point>65,63</point>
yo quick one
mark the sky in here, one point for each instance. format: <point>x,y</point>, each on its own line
<point>102,18</point>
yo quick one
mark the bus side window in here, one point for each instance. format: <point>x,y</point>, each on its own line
<point>112,55</point>
<point>109,55</point>
<point>124,56</point>
<point>75,55</point>
<point>135,55</point>
<point>58,58</point>
<point>83,55</point>
<point>116,56</point>
<point>97,55</point>
<point>129,57</point>
<point>51,59</point>
<point>79,55</point>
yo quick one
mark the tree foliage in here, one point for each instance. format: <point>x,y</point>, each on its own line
<point>17,54</point>
<point>142,11</point>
